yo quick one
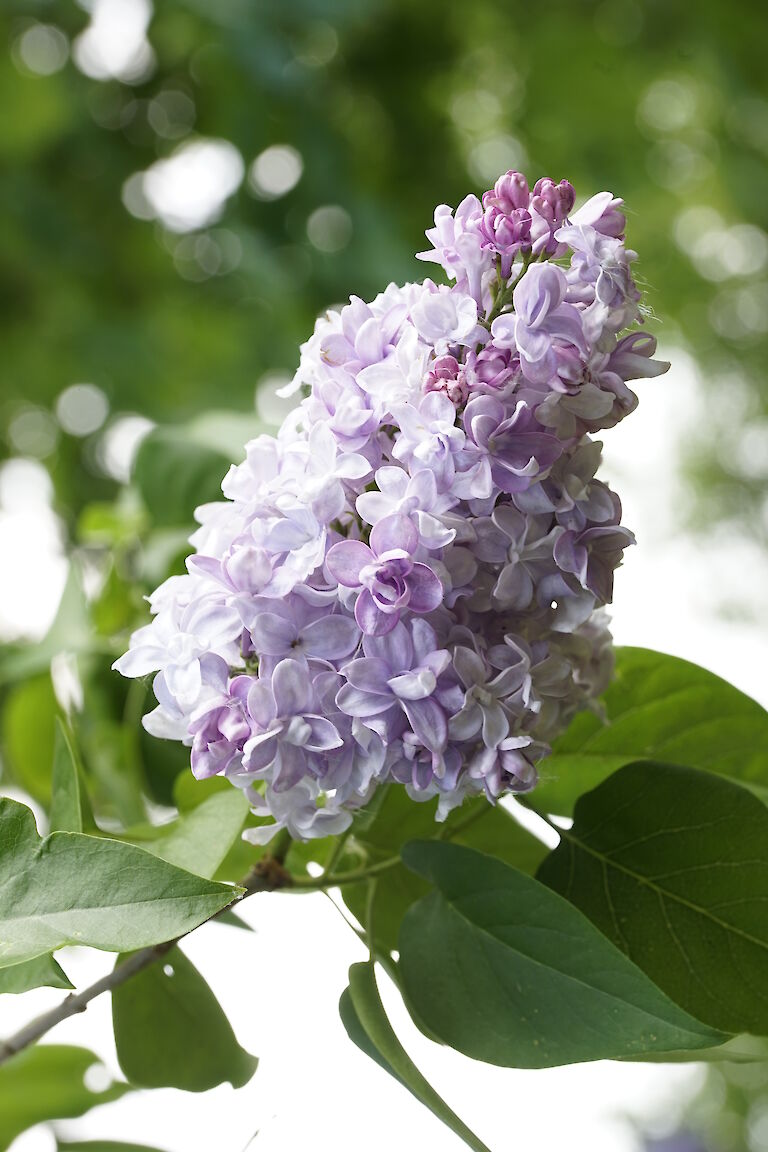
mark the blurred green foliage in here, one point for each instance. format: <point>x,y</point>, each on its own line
<point>393,107</point>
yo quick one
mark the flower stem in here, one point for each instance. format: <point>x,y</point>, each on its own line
<point>328,880</point>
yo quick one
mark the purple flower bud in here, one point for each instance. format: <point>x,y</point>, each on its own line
<point>553,201</point>
<point>445,375</point>
<point>490,369</point>
<point>506,232</point>
<point>508,193</point>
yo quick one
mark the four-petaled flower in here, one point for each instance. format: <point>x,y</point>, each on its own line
<point>288,729</point>
<point>388,577</point>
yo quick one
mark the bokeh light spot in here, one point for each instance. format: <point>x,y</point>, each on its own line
<point>33,431</point>
<point>42,49</point>
<point>329,228</point>
<point>668,106</point>
<point>188,189</point>
<point>119,444</point>
<point>97,1079</point>
<point>81,409</point>
<point>494,155</point>
<point>319,45</point>
<point>115,45</point>
<point>275,172</point>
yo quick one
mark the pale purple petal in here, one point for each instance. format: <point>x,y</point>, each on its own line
<point>290,767</point>
<point>260,750</point>
<point>345,559</point>
<point>324,735</point>
<point>495,725</point>
<point>428,721</point>
<point>425,588</point>
<point>355,702</point>
<point>514,587</point>
<point>369,674</point>
<point>330,637</point>
<point>292,689</point>
<point>372,621</point>
<point>416,685</point>
<point>272,635</point>
<point>469,666</point>
<point>261,704</point>
<point>394,533</point>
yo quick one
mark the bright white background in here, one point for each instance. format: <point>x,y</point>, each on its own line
<point>280,984</point>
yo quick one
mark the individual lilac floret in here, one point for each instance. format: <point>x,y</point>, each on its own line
<point>288,731</point>
<point>507,233</point>
<point>540,322</point>
<point>505,227</point>
<point>457,246</point>
<point>400,677</point>
<point>388,577</point>
<point>553,201</point>
<point>445,376</point>
<point>603,213</point>
<point>593,556</point>
<point>508,767</point>
<point>221,730</point>
<point>296,629</point>
<point>518,447</point>
<point>550,205</point>
<point>415,496</point>
<point>482,712</point>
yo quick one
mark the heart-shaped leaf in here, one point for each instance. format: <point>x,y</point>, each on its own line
<point>171,1032</point>
<point>504,970</point>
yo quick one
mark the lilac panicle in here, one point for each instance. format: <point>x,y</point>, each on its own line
<point>406,583</point>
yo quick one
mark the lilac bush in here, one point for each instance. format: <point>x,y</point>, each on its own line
<point>406,584</point>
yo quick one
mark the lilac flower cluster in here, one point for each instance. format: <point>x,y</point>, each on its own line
<point>405,583</point>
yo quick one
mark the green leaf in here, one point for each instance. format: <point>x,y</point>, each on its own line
<point>372,1032</point>
<point>66,813</point>
<point>75,889</point>
<point>170,1030</point>
<point>178,468</point>
<point>360,1037</point>
<point>28,733</point>
<point>232,920</point>
<point>48,1082</point>
<point>174,476</point>
<point>199,840</point>
<point>740,1049</point>
<point>189,793</point>
<point>659,708</point>
<point>504,970</point>
<point>42,972</point>
<point>672,865</point>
